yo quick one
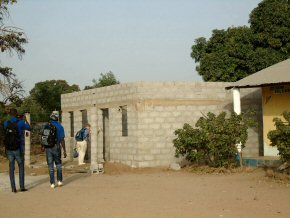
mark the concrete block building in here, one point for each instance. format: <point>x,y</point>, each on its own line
<point>134,123</point>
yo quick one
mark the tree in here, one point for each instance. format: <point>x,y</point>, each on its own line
<point>271,22</point>
<point>232,54</point>
<point>225,56</point>
<point>106,79</point>
<point>38,114</point>
<point>48,93</point>
<point>11,39</point>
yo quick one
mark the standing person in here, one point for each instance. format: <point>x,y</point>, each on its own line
<point>82,138</point>
<point>53,148</point>
<point>14,147</point>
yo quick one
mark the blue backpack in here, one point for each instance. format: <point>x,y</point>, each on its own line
<point>80,135</point>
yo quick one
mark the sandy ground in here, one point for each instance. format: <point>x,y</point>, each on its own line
<point>125,192</point>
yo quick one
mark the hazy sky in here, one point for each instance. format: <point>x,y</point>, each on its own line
<point>138,40</point>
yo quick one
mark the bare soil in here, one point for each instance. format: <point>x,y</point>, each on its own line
<point>151,192</point>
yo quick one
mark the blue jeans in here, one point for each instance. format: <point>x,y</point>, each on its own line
<point>19,157</point>
<point>53,155</point>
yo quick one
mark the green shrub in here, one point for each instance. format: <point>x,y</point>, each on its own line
<point>281,136</point>
<point>213,140</point>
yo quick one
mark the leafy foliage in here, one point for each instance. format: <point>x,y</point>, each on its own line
<point>37,113</point>
<point>281,136</point>
<point>232,54</point>
<point>11,39</point>
<point>271,22</point>
<point>48,93</point>
<point>213,140</point>
<point>10,88</point>
<point>106,79</point>
<point>225,56</point>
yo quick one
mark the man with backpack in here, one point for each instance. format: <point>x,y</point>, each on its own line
<point>82,138</point>
<point>52,140</point>
<point>14,147</point>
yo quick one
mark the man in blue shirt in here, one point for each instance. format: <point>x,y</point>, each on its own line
<point>53,154</point>
<point>83,144</point>
<point>17,154</point>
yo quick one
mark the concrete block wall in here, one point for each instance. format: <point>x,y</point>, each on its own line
<point>106,97</point>
<point>159,115</point>
<point>123,149</point>
<point>154,110</point>
<point>157,125</point>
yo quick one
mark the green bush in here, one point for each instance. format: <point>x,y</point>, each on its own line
<point>281,136</point>
<point>213,140</point>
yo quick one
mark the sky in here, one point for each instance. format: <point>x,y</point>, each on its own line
<point>137,40</point>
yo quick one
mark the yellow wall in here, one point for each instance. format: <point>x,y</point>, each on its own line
<point>276,100</point>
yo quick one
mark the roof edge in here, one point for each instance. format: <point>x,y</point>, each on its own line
<point>255,86</point>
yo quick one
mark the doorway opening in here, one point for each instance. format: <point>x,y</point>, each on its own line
<point>106,139</point>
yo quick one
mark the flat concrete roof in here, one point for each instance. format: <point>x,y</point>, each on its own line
<point>276,74</point>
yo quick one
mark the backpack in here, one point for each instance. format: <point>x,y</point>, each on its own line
<point>49,136</point>
<point>75,153</point>
<point>80,135</point>
<point>11,136</point>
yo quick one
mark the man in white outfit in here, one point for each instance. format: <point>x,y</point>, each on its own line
<point>83,144</point>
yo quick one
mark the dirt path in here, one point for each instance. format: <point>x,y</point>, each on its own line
<point>152,193</point>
